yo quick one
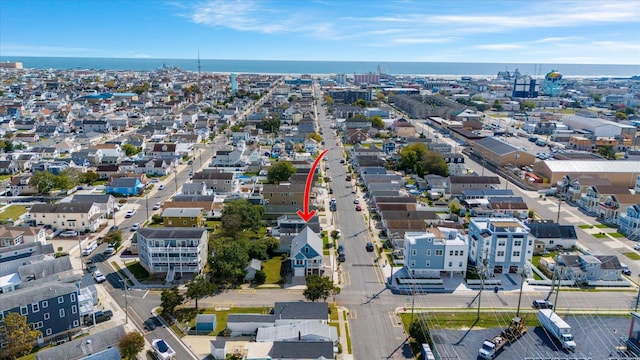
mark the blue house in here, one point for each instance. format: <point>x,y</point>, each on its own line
<point>306,253</point>
<point>388,146</point>
<point>205,323</point>
<point>125,186</point>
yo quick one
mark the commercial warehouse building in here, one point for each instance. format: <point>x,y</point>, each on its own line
<point>620,173</point>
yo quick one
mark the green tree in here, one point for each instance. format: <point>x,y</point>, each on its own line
<point>44,181</point>
<point>360,103</point>
<point>328,100</point>
<point>607,152</point>
<point>237,127</point>
<point>130,149</point>
<point>8,146</point>
<point>319,287</point>
<point>88,177</point>
<point>411,158</point>
<point>229,263</point>
<point>130,345</point>
<point>114,238</point>
<point>419,330</point>
<point>377,122</point>
<point>455,208</point>
<point>280,171</point>
<point>315,136</point>
<point>260,277</point>
<point>434,163</point>
<point>17,335</point>
<point>621,115</point>
<point>497,105</point>
<point>170,299</point>
<point>527,105</point>
<point>270,125</point>
<point>199,287</point>
<point>272,244</point>
<point>156,219</point>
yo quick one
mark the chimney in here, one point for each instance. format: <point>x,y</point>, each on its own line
<point>299,336</point>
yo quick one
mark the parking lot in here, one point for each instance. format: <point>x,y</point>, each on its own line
<point>596,338</point>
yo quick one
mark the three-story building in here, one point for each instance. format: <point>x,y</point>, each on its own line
<point>499,245</point>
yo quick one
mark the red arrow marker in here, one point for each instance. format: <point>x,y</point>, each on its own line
<point>305,214</point>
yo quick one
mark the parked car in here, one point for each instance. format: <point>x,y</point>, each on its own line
<point>636,247</point>
<point>149,324</point>
<point>341,161</point>
<point>69,233</point>
<point>114,228</point>
<point>100,316</point>
<point>130,213</point>
<point>542,304</point>
<point>157,206</point>
<point>110,250</point>
<point>135,226</point>
<point>356,201</point>
<point>154,181</point>
<point>358,208</point>
<point>161,187</point>
<point>369,246</point>
<point>98,276</point>
<point>330,190</point>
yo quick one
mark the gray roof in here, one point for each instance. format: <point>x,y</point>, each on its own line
<point>206,318</point>
<point>84,346</point>
<point>182,212</point>
<point>30,295</point>
<point>301,350</point>
<point>552,230</point>
<point>496,146</point>
<point>171,233</point>
<point>183,197</point>
<point>67,208</point>
<point>306,236</point>
<point>250,318</point>
<point>41,269</point>
<point>124,182</point>
<point>301,310</point>
<point>91,198</point>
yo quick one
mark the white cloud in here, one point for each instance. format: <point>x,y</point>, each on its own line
<point>499,46</point>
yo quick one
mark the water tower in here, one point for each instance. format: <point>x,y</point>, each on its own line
<point>552,83</point>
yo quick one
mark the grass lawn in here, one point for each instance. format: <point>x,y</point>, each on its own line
<point>616,235</point>
<point>223,315</point>
<point>632,255</point>
<point>138,271</point>
<point>586,226</point>
<point>211,224</point>
<point>271,268</point>
<point>599,236</point>
<point>5,177</point>
<point>13,212</point>
<point>31,356</point>
<point>602,226</point>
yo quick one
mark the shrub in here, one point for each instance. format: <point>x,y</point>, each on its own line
<point>260,277</point>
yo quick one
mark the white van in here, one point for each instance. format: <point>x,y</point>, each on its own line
<point>90,248</point>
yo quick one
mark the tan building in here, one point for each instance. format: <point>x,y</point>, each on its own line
<point>500,153</point>
<point>68,216</point>
<point>283,194</point>
<point>182,217</point>
<point>579,143</point>
<point>620,173</point>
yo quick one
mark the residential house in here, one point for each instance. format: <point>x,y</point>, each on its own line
<point>92,157</point>
<point>589,269</point>
<point>72,216</point>
<point>163,150</point>
<point>455,185</point>
<point>106,202</point>
<point>284,193</point>
<point>629,222</point>
<point>227,158</point>
<point>182,217</point>
<point>251,269</point>
<point>196,188</point>
<point>52,308</point>
<point>8,167</point>
<point>155,167</point>
<point>101,345</point>
<point>388,146</point>
<point>97,126</point>
<point>106,171</point>
<point>551,235</point>
<point>128,186</point>
<point>217,180</point>
<point>403,128</point>
<point>306,254</point>
<point>21,185</point>
<point>172,249</point>
<point>356,136</point>
<point>502,245</point>
<point>16,235</point>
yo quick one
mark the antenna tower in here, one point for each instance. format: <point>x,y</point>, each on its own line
<point>199,67</point>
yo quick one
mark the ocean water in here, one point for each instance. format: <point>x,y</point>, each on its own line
<point>327,67</point>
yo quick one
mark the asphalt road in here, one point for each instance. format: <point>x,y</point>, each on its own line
<point>373,328</point>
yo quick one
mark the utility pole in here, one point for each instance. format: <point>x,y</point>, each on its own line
<point>126,302</point>
<point>522,274</point>
<point>175,178</point>
<point>555,301</point>
<point>147,204</point>
<point>482,269</point>
<point>559,203</point>
<point>638,298</point>
<point>80,251</point>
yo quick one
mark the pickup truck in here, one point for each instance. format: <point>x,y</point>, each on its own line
<point>100,316</point>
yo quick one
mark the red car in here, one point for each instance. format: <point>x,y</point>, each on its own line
<point>358,208</point>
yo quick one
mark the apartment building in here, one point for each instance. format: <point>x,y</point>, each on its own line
<point>170,250</point>
<point>499,245</point>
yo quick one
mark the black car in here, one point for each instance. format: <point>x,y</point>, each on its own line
<point>149,324</point>
<point>369,246</point>
<point>330,190</point>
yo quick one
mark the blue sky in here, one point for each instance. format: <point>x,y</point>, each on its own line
<point>585,32</point>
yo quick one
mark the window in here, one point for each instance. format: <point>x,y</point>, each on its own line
<point>500,253</point>
<point>47,316</point>
<point>516,253</point>
<point>45,304</point>
<point>60,299</point>
<point>439,252</point>
<point>413,263</point>
<point>450,264</point>
<point>73,297</point>
<point>76,323</point>
<point>35,307</point>
<point>61,313</point>
<point>502,243</point>
<point>517,243</point>
<point>460,264</point>
<point>24,310</point>
<point>184,222</point>
<point>450,252</point>
<point>414,252</point>
<point>48,332</point>
<point>428,264</point>
<point>429,252</point>
<point>74,309</point>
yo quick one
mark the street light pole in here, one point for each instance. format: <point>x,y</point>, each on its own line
<point>126,302</point>
<point>147,204</point>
